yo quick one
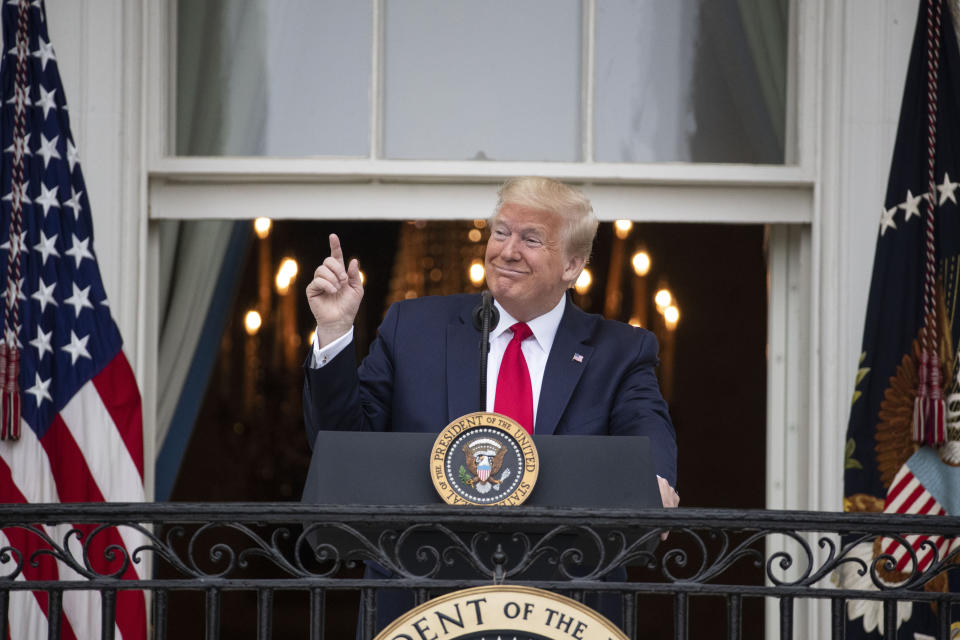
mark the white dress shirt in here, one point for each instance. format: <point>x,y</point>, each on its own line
<point>535,349</point>
<point>329,352</point>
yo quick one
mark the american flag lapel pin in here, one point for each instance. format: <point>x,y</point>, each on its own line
<point>577,357</point>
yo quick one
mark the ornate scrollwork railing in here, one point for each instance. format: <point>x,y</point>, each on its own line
<point>733,554</point>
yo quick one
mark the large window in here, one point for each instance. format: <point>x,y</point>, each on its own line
<point>542,80</point>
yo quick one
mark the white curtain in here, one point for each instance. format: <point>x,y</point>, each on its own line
<point>220,111</point>
<point>691,80</point>
<point>766,23</point>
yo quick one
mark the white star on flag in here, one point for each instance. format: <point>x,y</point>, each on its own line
<point>44,294</point>
<point>9,292</point>
<point>73,155</point>
<point>80,299</point>
<point>911,206</point>
<point>40,390</point>
<point>77,347</point>
<point>46,101</point>
<point>12,336</point>
<point>42,343</point>
<point>26,99</point>
<point>46,247</point>
<point>886,220</point>
<point>45,53</point>
<point>78,251</point>
<point>48,198</point>
<point>18,243</point>
<point>48,149</point>
<point>25,141</point>
<point>947,189</point>
<point>74,202</point>
<point>23,197</point>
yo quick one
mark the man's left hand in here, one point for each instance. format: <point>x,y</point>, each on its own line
<point>668,495</point>
<point>670,498</point>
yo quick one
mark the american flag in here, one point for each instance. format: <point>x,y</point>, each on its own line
<point>908,494</point>
<point>81,428</point>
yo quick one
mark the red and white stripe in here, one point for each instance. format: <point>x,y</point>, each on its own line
<point>93,452</point>
<point>908,496</point>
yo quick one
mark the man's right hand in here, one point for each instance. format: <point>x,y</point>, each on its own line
<point>334,294</point>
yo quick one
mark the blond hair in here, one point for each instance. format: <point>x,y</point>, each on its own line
<point>551,195</point>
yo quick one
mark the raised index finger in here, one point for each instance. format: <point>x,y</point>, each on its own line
<point>335,251</point>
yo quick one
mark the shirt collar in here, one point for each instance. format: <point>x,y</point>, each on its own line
<point>544,327</point>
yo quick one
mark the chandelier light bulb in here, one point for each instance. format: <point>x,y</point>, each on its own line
<point>663,299</point>
<point>476,273</point>
<point>285,274</point>
<point>641,263</point>
<point>671,316</point>
<point>252,322</point>
<point>262,227</point>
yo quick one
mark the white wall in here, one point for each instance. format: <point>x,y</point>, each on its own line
<point>878,40</point>
<point>862,71</point>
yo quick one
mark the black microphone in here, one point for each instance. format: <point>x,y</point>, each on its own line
<point>485,311</point>
<point>485,317</point>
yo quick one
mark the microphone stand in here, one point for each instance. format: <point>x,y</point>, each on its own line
<point>488,315</point>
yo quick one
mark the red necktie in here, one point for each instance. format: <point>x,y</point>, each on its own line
<point>514,394</point>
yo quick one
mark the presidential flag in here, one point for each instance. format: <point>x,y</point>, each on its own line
<point>67,387</point>
<point>903,438</point>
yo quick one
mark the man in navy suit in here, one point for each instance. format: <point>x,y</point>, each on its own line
<point>588,375</point>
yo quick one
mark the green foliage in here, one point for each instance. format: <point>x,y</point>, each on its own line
<point>849,461</point>
<point>861,374</point>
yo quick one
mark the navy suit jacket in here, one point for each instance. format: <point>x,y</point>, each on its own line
<point>423,371</point>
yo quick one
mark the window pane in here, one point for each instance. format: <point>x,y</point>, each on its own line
<point>496,80</point>
<point>273,77</point>
<point>691,80</point>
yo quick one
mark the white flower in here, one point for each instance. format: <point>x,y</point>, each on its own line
<point>847,577</point>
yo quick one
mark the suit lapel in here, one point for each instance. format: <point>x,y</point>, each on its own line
<point>568,358</point>
<point>463,367</point>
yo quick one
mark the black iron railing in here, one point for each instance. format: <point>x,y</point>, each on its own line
<point>264,550</point>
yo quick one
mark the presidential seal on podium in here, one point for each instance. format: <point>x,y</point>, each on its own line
<point>484,459</point>
<point>502,611</point>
